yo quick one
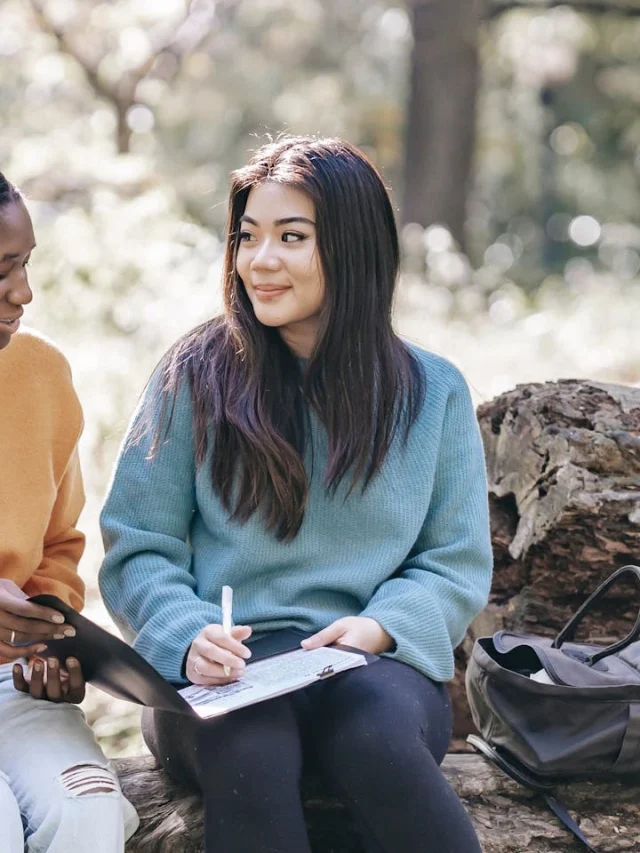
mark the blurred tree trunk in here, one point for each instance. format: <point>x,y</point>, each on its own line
<point>441,116</point>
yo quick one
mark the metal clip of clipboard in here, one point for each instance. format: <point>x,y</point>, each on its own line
<point>326,672</point>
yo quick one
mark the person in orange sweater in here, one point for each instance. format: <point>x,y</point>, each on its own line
<point>57,791</point>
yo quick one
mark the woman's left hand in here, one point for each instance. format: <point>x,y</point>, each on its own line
<point>361,632</point>
<point>49,681</point>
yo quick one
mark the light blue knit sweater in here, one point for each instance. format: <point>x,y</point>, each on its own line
<point>412,552</point>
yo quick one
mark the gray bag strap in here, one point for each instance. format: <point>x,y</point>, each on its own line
<point>528,780</point>
<point>627,760</point>
<point>564,817</point>
<point>569,629</point>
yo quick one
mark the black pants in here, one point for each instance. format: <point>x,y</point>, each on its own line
<point>377,734</point>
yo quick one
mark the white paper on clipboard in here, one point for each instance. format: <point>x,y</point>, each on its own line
<point>274,676</point>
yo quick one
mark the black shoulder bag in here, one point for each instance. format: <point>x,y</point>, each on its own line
<point>554,710</point>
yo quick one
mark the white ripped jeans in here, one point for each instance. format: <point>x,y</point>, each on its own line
<point>58,793</point>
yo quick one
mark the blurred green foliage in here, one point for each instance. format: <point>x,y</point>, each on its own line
<point>199,84</point>
<point>558,159</point>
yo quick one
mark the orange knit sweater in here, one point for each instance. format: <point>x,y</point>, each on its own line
<point>41,492</point>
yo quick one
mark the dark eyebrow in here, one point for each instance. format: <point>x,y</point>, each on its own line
<point>12,256</point>
<point>286,221</point>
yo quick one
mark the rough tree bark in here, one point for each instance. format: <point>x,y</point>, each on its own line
<point>441,112</point>
<point>508,818</point>
<point>563,463</point>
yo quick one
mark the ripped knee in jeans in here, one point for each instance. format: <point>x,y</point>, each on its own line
<point>83,780</point>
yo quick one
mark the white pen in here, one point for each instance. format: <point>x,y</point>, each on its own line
<point>227,605</point>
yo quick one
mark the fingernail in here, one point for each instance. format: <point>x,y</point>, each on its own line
<point>37,666</point>
<point>72,663</point>
<point>58,636</point>
<point>70,632</point>
<point>246,654</point>
<point>58,617</point>
<point>41,649</point>
<point>52,662</point>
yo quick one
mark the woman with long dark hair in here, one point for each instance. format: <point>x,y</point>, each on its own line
<point>297,450</point>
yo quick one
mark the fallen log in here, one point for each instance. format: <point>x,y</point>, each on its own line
<point>564,473</point>
<point>508,818</point>
<point>563,464</point>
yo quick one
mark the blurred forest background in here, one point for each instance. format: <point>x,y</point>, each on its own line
<point>508,132</point>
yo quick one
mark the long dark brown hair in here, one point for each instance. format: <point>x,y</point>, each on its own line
<point>252,397</point>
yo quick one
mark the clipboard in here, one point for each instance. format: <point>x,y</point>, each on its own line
<point>116,668</point>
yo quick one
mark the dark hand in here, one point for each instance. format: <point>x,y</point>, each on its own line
<point>25,627</point>
<point>49,681</point>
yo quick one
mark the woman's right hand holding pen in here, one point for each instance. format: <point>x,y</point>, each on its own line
<point>212,650</point>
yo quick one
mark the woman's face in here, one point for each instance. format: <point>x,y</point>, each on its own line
<point>279,264</point>
<point>16,244</point>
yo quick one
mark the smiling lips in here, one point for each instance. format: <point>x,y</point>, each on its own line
<point>11,324</point>
<point>270,291</point>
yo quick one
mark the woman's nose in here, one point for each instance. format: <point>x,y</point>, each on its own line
<point>266,257</point>
<point>20,292</point>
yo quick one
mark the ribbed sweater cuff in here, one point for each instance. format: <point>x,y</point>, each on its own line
<point>167,653</point>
